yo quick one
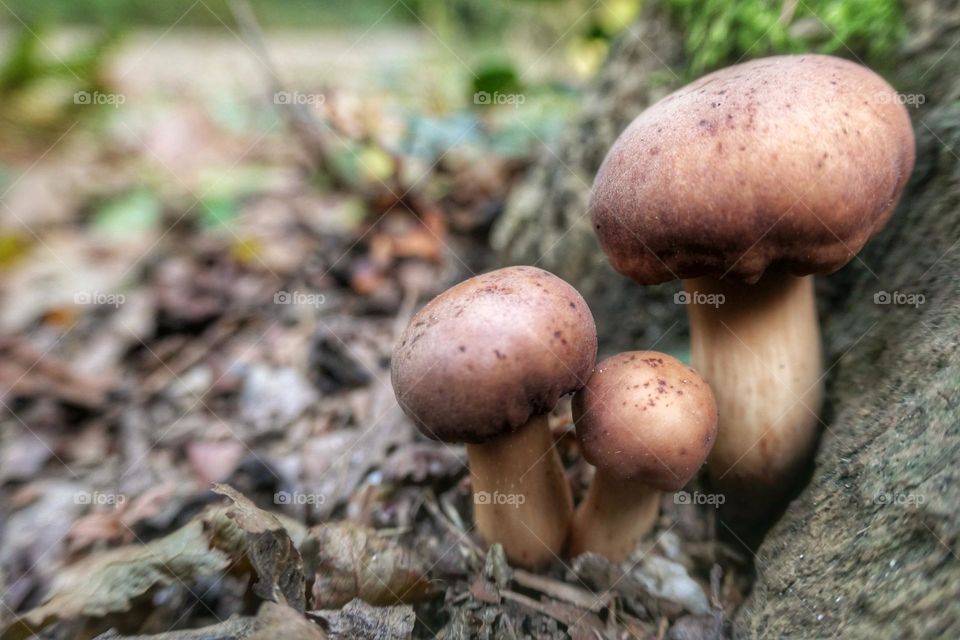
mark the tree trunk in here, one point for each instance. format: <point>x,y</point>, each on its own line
<point>545,222</point>
<point>871,547</point>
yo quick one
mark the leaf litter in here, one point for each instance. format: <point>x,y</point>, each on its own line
<point>199,439</point>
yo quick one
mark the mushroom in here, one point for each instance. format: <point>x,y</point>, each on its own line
<point>483,363</point>
<point>647,422</point>
<point>742,184</point>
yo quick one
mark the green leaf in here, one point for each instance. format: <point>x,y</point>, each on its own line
<point>217,212</point>
<point>134,213</point>
<point>495,78</point>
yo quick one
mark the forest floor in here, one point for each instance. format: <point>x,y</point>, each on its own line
<point>205,266</point>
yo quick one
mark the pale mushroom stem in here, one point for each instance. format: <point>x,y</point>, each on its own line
<point>758,346</point>
<point>521,496</point>
<point>614,517</point>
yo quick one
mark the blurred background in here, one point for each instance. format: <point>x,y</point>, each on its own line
<point>215,217</point>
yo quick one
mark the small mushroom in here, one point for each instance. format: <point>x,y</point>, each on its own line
<point>647,422</point>
<point>742,184</point>
<point>483,363</point>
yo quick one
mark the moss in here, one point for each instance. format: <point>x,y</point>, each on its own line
<point>720,32</point>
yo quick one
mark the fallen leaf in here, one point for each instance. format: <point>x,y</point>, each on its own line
<point>117,524</point>
<point>347,562</point>
<point>132,214</point>
<point>703,627</point>
<point>654,586</point>
<point>360,621</point>
<point>24,453</point>
<point>280,621</point>
<point>272,553</point>
<point>670,581</point>
<point>274,397</point>
<point>420,462</point>
<point>69,273</point>
<point>108,582</point>
<point>31,550</point>
<point>235,628</point>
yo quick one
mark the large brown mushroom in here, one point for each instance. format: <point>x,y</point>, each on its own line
<point>742,184</point>
<point>483,363</point>
<point>646,422</point>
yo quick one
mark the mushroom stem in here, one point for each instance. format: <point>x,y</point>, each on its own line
<point>615,515</point>
<point>758,346</point>
<point>525,506</point>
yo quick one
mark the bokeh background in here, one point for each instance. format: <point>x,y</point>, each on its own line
<point>216,216</point>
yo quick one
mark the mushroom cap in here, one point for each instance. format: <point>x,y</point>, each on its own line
<point>646,416</point>
<point>788,163</point>
<point>484,356</point>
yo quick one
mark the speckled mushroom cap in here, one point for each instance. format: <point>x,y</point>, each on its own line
<point>484,356</point>
<point>787,163</point>
<point>646,416</point>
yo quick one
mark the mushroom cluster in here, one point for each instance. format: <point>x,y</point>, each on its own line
<point>483,363</point>
<point>743,184</point>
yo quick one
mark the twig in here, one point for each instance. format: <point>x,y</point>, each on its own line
<point>309,129</point>
<point>430,502</point>
<point>562,591</point>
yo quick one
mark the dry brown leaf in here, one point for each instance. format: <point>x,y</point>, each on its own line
<point>272,554</point>
<point>234,628</point>
<point>349,562</point>
<point>280,622</point>
<point>108,582</point>
<point>117,524</point>
<point>360,621</point>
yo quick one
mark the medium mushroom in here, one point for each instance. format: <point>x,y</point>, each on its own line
<point>483,363</point>
<point>647,422</point>
<point>742,184</point>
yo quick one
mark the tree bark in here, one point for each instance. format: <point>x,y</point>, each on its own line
<point>546,222</point>
<point>871,547</point>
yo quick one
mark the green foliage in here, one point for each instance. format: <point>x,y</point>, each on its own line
<point>210,13</point>
<point>28,61</point>
<point>496,77</point>
<point>131,214</point>
<point>38,88</point>
<point>721,32</point>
